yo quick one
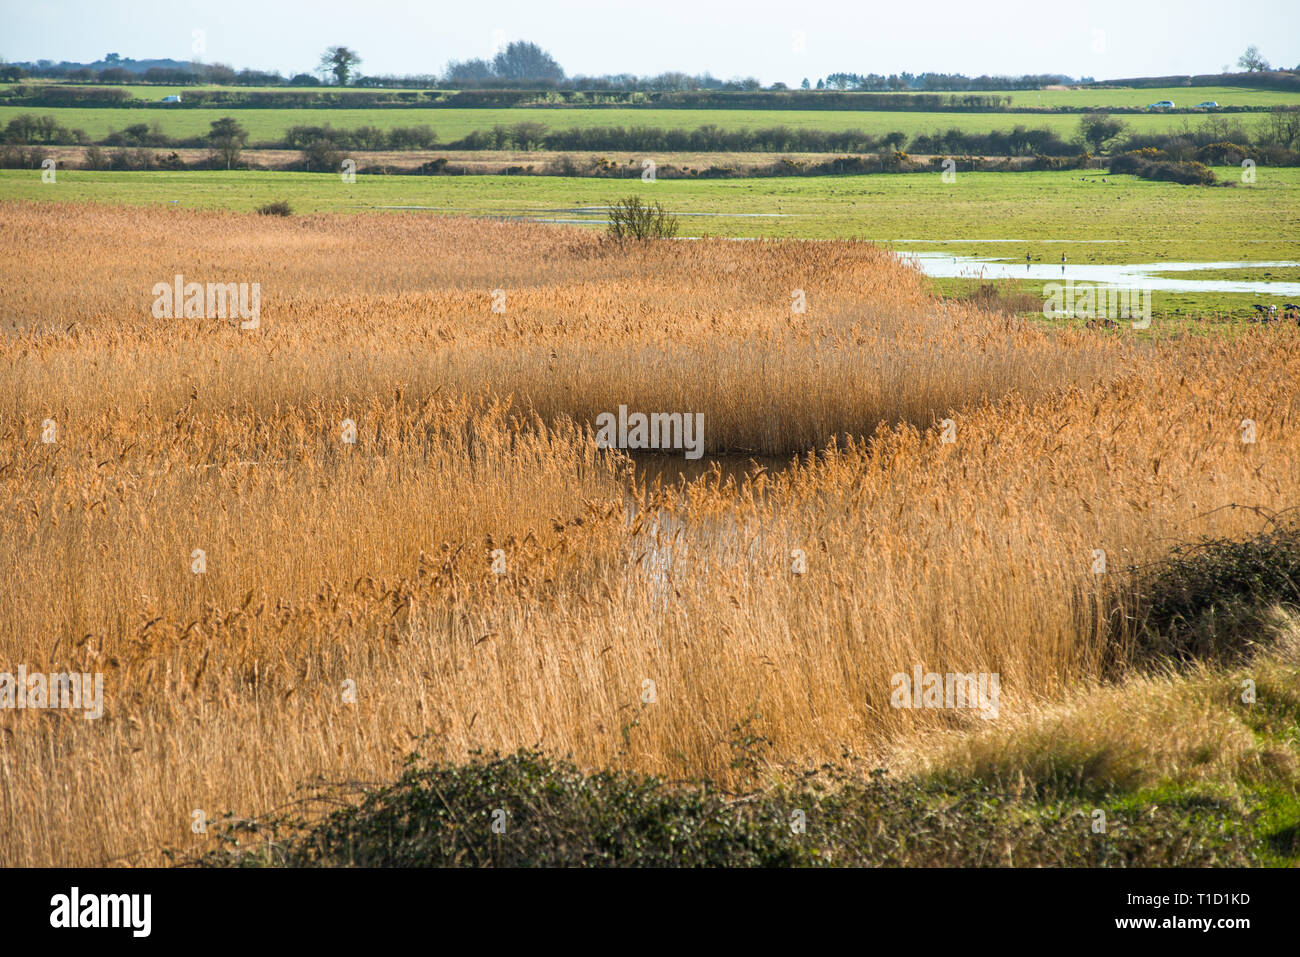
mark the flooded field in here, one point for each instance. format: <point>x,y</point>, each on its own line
<point>1146,275</point>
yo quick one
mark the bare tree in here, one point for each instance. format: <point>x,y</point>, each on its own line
<point>1251,61</point>
<point>1282,125</point>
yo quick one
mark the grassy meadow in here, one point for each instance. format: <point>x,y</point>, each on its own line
<point>474,574</point>
<point>451,124</point>
<point>1183,96</point>
<point>1090,216</point>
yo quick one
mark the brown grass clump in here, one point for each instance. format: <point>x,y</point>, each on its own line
<point>631,625</point>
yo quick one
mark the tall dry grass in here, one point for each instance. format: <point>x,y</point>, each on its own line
<point>371,563</point>
<point>362,307</point>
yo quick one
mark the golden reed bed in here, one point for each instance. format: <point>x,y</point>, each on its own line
<point>348,603</point>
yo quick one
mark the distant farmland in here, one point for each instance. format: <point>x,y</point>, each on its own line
<point>269,125</point>
<point>1127,97</point>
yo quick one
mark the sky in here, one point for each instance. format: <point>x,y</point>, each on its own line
<point>772,41</point>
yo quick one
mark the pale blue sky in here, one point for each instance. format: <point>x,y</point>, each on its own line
<point>771,40</point>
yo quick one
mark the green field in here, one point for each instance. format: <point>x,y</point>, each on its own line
<point>1091,217</point>
<point>1183,96</point>
<point>1160,220</point>
<point>269,125</point>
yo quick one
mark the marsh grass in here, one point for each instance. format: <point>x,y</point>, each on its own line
<point>372,563</point>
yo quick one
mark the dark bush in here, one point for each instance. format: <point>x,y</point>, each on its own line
<point>136,160</point>
<point>22,157</point>
<point>1223,154</point>
<point>1208,599</point>
<point>1188,173</point>
<point>1145,164</point>
<point>321,156</point>
<point>528,810</point>
<point>96,158</point>
<point>278,208</point>
<point>631,218</point>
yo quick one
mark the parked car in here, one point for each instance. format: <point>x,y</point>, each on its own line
<point>1207,105</point>
<point>1162,105</point>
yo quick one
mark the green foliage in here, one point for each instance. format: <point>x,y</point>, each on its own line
<point>227,139</point>
<point>341,62</point>
<point>554,815</point>
<point>1098,129</point>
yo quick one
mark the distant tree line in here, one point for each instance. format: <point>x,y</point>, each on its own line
<point>875,82</point>
<point>50,95</point>
<point>525,65</point>
<point>59,95</point>
<point>1273,141</point>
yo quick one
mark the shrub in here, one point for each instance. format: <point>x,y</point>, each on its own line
<point>96,158</point>
<point>1210,599</point>
<point>411,138</point>
<point>631,218</point>
<point>278,208</point>
<point>893,160</point>
<point>530,810</point>
<point>1150,164</point>
<point>1041,162</point>
<point>1188,174</point>
<point>321,156</point>
<point>172,161</point>
<point>1223,153</point>
<point>565,165</point>
<point>134,160</point>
